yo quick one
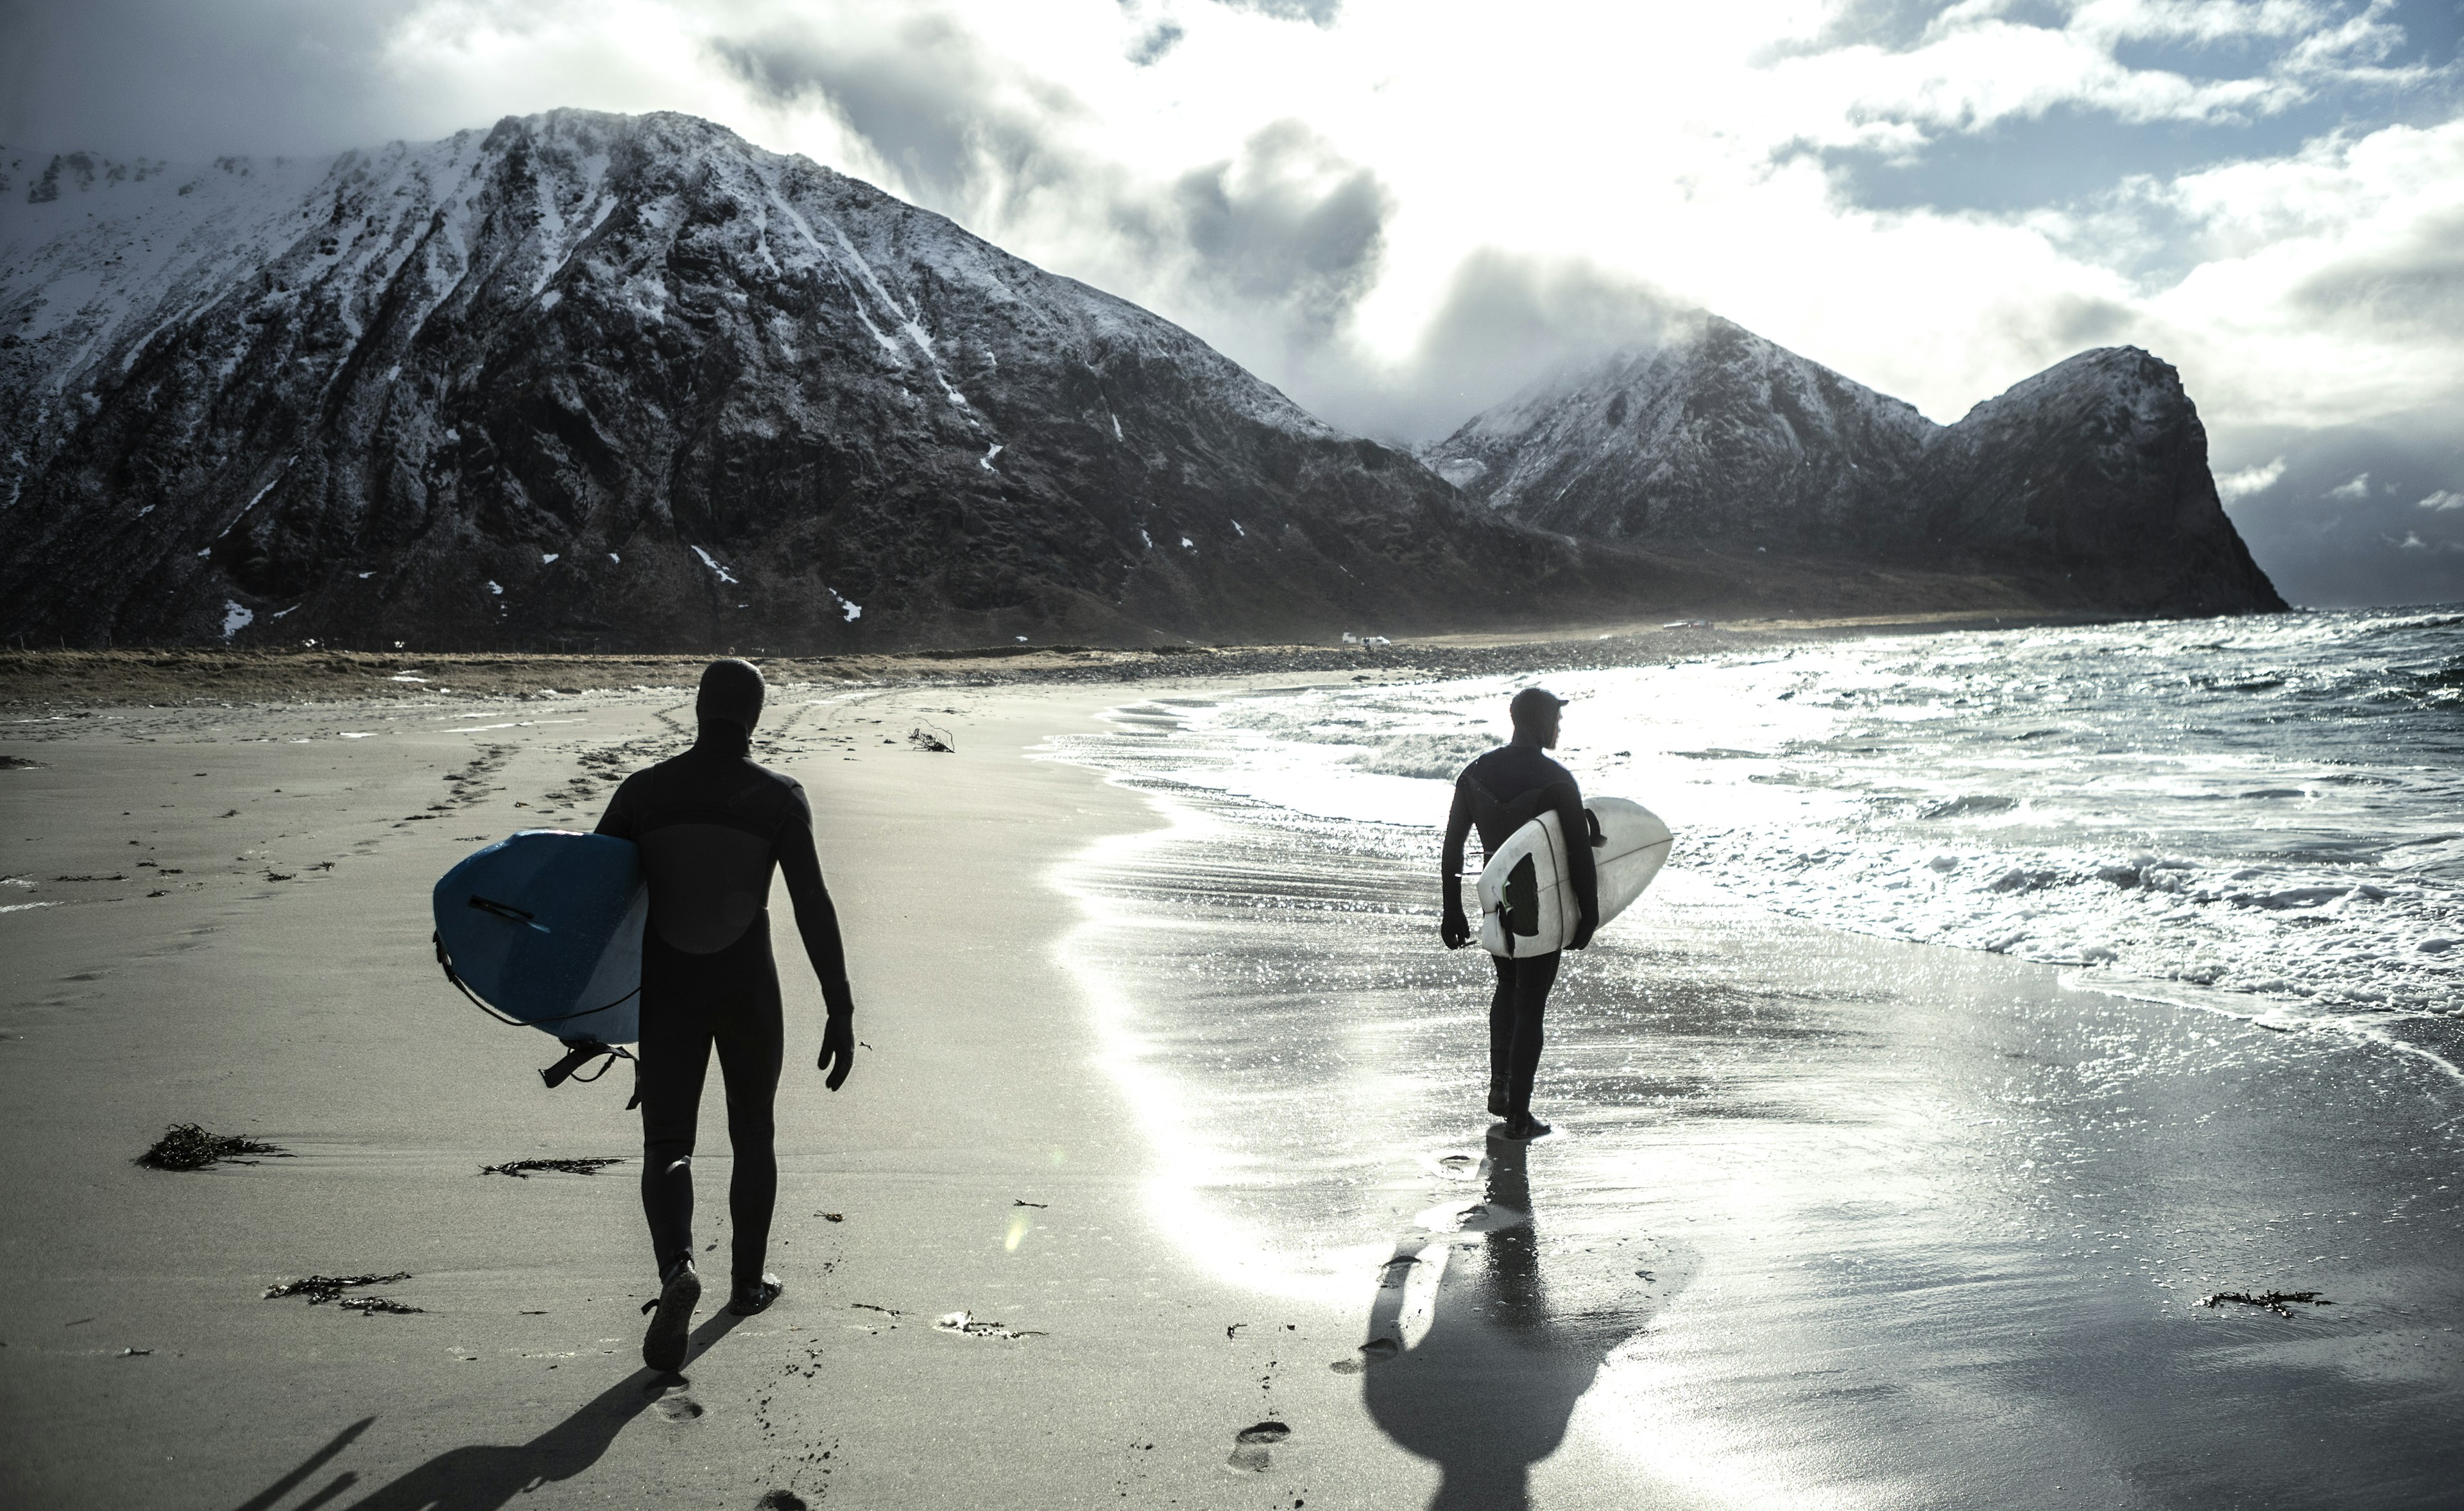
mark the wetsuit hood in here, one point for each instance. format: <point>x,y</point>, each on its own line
<point>730,692</point>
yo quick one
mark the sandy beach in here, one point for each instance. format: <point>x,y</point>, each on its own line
<point>1177,1103</point>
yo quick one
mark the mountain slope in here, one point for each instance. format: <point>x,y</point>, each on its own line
<point>2087,485</point>
<point>1715,436</point>
<point>628,382</point>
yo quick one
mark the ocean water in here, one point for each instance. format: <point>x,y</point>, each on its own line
<point>1818,1204</point>
<point>2264,815</point>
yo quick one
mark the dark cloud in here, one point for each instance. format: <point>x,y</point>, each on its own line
<point>1289,225</point>
<point>1317,12</point>
<point>2329,544</point>
<point>2414,287</point>
<point>1267,252</point>
<point>931,102</point>
<point>170,77</point>
<point>1150,46</point>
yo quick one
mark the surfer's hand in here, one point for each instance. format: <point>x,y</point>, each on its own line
<point>1456,930</point>
<point>838,1051</point>
<point>1583,934</point>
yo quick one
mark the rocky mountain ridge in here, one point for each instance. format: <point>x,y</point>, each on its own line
<point>604,381</point>
<point>2088,483</point>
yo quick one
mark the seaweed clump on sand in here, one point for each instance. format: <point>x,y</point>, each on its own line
<point>323,1288</point>
<point>2272,1301</point>
<point>520,1169</point>
<point>184,1146</point>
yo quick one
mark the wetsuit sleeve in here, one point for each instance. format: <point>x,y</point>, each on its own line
<point>623,818</point>
<point>1580,868</point>
<point>1450,862</point>
<point>816,919</point>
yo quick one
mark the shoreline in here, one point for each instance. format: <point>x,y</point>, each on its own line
<point>193,676</point>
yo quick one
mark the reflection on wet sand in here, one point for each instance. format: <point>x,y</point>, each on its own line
<point>1488,1386</point>
<point>1905,1192</point>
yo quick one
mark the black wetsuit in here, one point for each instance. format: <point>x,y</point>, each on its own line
<point>710,825</point>
<point>1498,794</point>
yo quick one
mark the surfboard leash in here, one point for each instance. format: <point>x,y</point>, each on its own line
<point>579,1052</point>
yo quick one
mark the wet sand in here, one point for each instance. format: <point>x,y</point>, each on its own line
<point>1829,1221</point>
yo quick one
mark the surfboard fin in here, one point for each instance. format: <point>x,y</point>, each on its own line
<point>579,1052</point>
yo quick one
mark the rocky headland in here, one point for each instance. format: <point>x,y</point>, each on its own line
<point>2084,485</point>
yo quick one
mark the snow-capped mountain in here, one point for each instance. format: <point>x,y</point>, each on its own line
<point>627,382</point>
<point>2087,484</point>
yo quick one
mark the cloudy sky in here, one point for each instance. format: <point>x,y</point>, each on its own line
<point>1401,211</point>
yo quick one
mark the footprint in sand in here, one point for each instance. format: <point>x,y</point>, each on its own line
<point>1376,1350</point>
<point>673,1404</point>
<point>1251,1446</point>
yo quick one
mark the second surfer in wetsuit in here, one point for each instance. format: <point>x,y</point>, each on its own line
<point>1499,793</point>
<point>710,825</point>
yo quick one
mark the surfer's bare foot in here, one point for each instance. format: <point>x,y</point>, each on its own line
<point>663,1346</point>
<point>753,1295</point>
<point>1526,1128</point>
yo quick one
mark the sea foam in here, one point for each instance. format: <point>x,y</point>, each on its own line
<point>2267,807</point>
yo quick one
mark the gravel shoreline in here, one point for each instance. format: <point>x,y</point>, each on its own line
<point>43,679</point>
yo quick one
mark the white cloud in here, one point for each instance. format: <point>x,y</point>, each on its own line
<point>2443,501</point>
<point>2234,486</point>
<point>2328,284</point>
<point>1311,187</point>
<point>2358,489</point>
<point>2410,543</point>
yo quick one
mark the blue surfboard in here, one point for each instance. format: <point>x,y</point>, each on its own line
<point>545,928</point>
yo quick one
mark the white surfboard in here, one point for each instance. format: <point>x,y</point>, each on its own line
<point>1527,902</point>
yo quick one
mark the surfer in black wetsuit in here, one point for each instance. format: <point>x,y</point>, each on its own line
<point>1498,794</point>
<point>710,825</point>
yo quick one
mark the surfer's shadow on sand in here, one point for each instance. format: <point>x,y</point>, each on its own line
<point>482,1476</point>
<point>1467,1362</point>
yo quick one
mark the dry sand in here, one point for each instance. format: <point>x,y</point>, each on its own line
<point>1831,1222</point>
